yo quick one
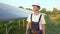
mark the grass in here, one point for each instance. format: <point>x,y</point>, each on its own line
<point>13,28</point>
<point>51,27</point>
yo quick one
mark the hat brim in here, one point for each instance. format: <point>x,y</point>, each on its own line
<point>35,5</point>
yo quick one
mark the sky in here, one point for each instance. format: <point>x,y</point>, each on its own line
<point>48,4</point>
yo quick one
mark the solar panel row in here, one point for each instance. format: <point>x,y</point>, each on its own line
<point>8,12</point>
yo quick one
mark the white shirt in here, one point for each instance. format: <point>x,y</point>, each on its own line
<point>36,18</point>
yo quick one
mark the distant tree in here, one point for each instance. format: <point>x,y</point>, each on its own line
<point>58,12</point>
<point>48,12</point>
<point>43,10</point>
<point>55,11</point>
<point>29,9</point>
<point>21,7</point>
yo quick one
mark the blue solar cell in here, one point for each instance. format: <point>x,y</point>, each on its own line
<point>8,12</point>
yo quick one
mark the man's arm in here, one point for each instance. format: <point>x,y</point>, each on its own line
<point>43,29</point>
<point>27,27</point>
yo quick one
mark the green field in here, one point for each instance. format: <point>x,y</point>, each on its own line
<point>14,27</point>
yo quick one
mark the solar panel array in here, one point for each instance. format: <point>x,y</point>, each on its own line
<point>8,12</point>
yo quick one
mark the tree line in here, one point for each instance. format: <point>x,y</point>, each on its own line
<point>55,11</point>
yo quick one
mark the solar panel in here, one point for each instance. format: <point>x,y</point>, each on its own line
<point>8,12</point>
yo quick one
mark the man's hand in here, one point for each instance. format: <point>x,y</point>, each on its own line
<point>26,32</point>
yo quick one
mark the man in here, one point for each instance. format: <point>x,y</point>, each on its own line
<point>36,22</point>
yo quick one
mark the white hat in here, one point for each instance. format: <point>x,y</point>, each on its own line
<point>35,4</point>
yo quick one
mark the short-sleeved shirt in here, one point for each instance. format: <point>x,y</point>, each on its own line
<point>35,18</point>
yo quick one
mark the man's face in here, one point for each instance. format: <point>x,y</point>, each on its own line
<point>35,8</point>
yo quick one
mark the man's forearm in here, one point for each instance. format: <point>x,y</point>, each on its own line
<point>28,26</point>
<point>44,32</point>
<point>43,29</point>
